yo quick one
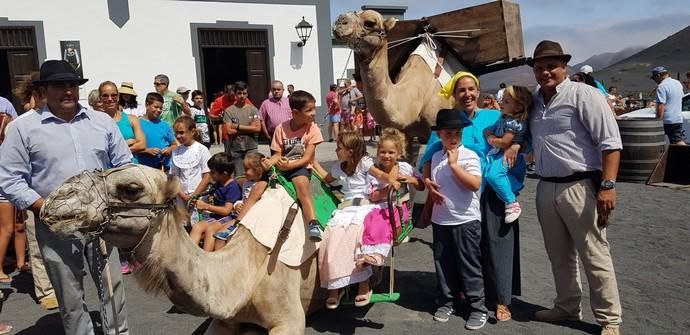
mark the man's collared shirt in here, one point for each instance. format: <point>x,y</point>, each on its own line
<point>7,108</point>
<point>570,132</point>
<point>670,93</point>
<point>274,112</point>
<point>42,151</point>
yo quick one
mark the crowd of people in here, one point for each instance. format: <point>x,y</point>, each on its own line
<point>473,167</point>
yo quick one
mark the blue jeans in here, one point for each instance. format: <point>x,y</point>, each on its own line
<point>506,182</point>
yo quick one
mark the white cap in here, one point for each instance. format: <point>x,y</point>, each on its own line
<point>586,69</point>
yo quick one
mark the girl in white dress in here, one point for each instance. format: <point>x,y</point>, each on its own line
<point>189,162</point>
<point>340,247</point>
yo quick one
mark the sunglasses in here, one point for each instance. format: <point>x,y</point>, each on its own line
<point>159,84</point>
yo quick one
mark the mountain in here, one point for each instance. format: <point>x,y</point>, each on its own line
<point>627,69</point>
<point>606,59</point>
<point>631,75</point>
<point>523,75</point>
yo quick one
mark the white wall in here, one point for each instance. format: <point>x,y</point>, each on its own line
<point>157,38</point>
<point>343,61</point>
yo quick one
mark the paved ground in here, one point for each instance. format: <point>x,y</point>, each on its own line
<point>649,234</point>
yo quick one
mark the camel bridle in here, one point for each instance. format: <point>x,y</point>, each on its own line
<point>115,209</point>
<point>367,31</point>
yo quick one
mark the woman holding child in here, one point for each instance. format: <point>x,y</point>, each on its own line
<point>499,239</point>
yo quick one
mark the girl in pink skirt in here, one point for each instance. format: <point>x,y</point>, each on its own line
<point>378,233</point>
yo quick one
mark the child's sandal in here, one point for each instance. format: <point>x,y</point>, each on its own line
<point>371,259</point>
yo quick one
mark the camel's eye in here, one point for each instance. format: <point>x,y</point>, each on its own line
<point>130,191</point>
<point>370,24</point>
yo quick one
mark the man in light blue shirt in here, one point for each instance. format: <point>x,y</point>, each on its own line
<point>669,100</point>
<point>7,108</point>
<point>43,149</point>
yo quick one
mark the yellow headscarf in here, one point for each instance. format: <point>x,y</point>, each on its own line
<point>449,88</point>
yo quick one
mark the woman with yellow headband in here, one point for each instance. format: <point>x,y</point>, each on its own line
<point>499,244</point>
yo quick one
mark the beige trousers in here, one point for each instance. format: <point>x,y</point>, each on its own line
<point>42,286</point>
<point>568,219</point>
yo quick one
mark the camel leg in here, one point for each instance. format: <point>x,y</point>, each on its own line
<point>218,327</point>
<point>290,327</point>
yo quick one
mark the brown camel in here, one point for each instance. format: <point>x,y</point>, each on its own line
<point>411,103</point>
<point>131,208</point>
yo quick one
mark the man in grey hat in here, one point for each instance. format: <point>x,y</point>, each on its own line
<point>43,149</point>
<point>669,105</point>
<point>577,151</point>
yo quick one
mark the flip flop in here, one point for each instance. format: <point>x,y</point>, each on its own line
<point>362,303</point>
<point>334,303</point>
<point>503,313</point>
<point>5,328</point>
<point>6,281</point>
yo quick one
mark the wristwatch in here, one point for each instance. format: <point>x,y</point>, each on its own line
<point>608,184</point>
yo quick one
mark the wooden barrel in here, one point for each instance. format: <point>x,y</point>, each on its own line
<point>643,144</point>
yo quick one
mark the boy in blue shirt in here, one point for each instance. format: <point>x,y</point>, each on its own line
<point>160,139</point>
<point>227,192</point>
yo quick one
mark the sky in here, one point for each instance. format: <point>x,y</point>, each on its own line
<point>583,27</point>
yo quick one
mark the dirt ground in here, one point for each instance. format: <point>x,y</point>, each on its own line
<point>649,236</point>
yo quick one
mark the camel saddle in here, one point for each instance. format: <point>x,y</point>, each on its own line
<point>276,222</point>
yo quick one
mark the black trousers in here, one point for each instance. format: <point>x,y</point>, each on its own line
<point>458,262</point>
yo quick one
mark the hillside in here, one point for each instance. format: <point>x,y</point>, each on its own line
<point>601,61</point>
<point>523,75</point>
<point>631,75</point>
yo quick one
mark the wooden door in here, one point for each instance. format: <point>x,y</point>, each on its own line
<point>21,64</point>
<point>257,75</point>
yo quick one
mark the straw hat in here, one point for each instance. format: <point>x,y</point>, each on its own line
<point>127,88</point>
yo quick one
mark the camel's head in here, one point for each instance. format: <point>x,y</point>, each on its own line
<point>118,204</point>
<point>365,32</point>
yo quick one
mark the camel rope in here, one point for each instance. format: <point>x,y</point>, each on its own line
<point>429,37</point>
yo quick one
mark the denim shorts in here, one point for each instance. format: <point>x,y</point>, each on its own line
<point>297,172</point>
<point>675,132</point>
<point>334,118</point>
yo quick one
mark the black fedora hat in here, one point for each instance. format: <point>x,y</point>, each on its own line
<point>548,49</point>
<point>451,119</point>
<point>53,71</point>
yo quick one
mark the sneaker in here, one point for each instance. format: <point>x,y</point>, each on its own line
<point>225,234</point>
<point>444,312</point>
<point>513,212</point>
<point>124,268</point>
<point>476,320</point>
<point>314,231</point>
<point>555,315</point>
<point>610,330</point>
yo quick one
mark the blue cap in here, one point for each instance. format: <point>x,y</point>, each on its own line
<point>658,70</point>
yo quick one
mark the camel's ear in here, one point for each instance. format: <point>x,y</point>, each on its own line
<point>389,23</point>
<point>172,188</point>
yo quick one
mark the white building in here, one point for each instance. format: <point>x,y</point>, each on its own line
<point>198,43</point>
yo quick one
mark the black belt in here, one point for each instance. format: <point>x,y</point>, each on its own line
<point>577,176</point>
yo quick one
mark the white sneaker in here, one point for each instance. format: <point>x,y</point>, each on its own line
<point>513,212</point>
